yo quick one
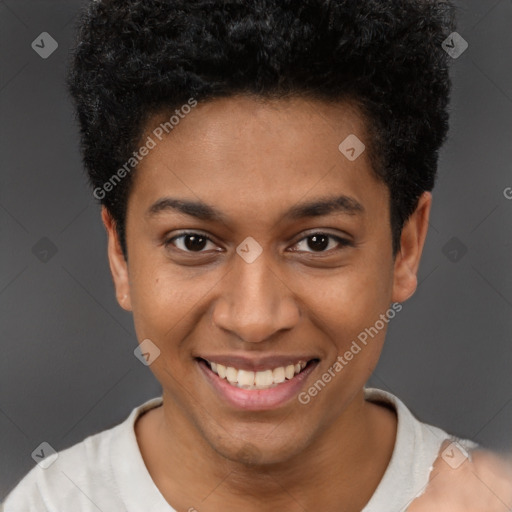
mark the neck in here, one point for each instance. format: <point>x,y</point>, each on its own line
<point>343,464</point>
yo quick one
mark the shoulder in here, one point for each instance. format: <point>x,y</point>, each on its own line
<point>65,478</point>
<point>464,482</point>
<point>420,452</point>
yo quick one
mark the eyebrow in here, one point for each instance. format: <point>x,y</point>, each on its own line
<point>316,208</point>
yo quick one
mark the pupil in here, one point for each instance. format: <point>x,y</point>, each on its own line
<point>194,244</point>
<point>319,242</point>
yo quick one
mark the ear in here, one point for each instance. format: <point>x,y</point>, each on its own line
<point>408,257</point>
<point>118,265</point>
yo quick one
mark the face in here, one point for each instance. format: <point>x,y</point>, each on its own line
<point>258,254</point>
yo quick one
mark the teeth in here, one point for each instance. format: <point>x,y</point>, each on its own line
<point>245,378</point>
<point>278,375</point>
<point>257,380</point>
<point>265,378</point>
<point>289,371</point>
<point>221,370</point>
<point>232,375</point>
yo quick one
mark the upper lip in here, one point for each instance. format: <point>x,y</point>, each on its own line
<point>257,363</point>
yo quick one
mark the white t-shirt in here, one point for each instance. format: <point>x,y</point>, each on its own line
<point>106,472</point>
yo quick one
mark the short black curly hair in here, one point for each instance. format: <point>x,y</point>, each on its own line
<point>137,58</point>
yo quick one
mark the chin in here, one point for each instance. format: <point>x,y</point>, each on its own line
<point>263,453</point>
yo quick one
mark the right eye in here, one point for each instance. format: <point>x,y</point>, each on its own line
<point>190,241</point>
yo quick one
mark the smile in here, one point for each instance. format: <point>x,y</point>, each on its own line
<point>265,379</point>
<point>257,386</point>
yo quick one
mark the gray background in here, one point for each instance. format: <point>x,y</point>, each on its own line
<point>67,367</point>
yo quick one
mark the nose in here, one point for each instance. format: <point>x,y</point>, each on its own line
<point>254,302</point>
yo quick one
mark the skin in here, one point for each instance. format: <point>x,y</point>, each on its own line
<point>241,155</point>
<point>482,484</point>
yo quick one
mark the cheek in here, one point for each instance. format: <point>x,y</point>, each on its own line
<point>155,298</point>
<point>348,311</point>
<point>167,301</point>
<point>351,300</point>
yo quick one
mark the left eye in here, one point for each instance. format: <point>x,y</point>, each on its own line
<point>319,242</point>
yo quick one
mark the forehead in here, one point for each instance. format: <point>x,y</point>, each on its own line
<point>238,118</point>
<point>262,154</point>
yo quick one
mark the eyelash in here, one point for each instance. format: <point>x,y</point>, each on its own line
<point>343,242</point>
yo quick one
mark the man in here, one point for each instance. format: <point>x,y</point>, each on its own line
<point>265,172</point>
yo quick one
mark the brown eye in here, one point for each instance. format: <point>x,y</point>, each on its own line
<point>189,242</point>
<point>319,242</point>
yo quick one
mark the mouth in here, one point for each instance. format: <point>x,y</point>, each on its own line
<point>257,389</point>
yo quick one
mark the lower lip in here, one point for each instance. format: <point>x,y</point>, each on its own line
<point>257,399</point>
